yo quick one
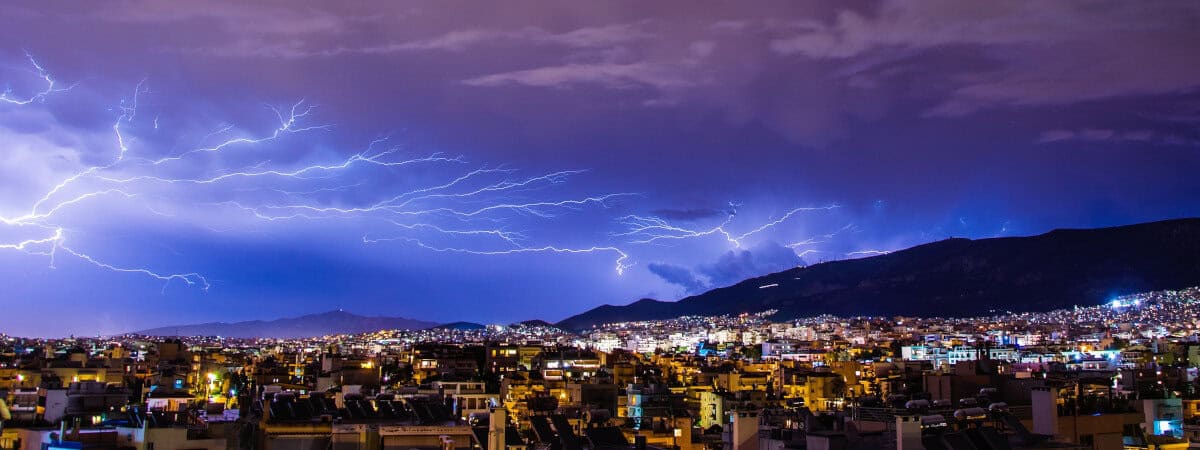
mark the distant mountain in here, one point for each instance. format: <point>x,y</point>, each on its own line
<point>332,322</point>
<point>956,277</point>
<point>534,323</point>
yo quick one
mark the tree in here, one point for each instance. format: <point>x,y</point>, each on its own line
<point>752,352</point>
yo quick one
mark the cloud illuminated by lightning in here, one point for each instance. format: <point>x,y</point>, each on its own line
<point>432,202</point>
<point>650,229</point>
<point>468,208</point>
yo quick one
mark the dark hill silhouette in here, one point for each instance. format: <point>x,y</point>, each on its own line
<point>956,277</point>
<point>534,323</point>
<point>321,324</point>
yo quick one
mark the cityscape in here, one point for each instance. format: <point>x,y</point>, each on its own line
<point>604,225</point>
<point>1087,375</point>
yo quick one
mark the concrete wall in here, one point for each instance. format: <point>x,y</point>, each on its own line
<point>745,430</point>
<point>165,439</point>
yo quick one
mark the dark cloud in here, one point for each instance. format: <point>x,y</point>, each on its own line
<point>1116,136</point>
<point>738,265</point>
<point>678,275</point>
<point>730,267</point>
<point>807,72</point>
<point>1057,53</point>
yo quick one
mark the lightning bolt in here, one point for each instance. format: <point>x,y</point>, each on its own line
<point>287,125</point>
<point>621,264</point>
<point>51,86</point>
<point>822,238</point>
<point>868,253</point>
<point>783,219</point>
<point>470,208</point>
<point>807,251</point>
<point>56,240</point>
<point>650,229</point>
<point>432,202</point>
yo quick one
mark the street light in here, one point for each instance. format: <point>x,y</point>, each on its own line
<point>212,381</point>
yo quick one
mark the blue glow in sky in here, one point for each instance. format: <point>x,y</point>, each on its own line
<point>189,162</point>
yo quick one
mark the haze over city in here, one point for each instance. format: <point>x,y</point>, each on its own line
<point>168,163</point>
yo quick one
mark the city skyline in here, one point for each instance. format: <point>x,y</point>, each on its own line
<point>187,161</point>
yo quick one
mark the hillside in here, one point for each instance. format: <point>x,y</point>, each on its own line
<point>956,277</point>
<point>332,322</point>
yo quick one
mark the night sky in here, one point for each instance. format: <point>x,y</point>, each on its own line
<point>182,162</point>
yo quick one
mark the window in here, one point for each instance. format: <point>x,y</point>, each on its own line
<point>1086,440</point>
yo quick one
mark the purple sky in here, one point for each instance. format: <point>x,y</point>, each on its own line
<point>462,161</point>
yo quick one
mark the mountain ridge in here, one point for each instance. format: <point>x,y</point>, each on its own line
<point>955,276</point>
<point>308,325</point>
